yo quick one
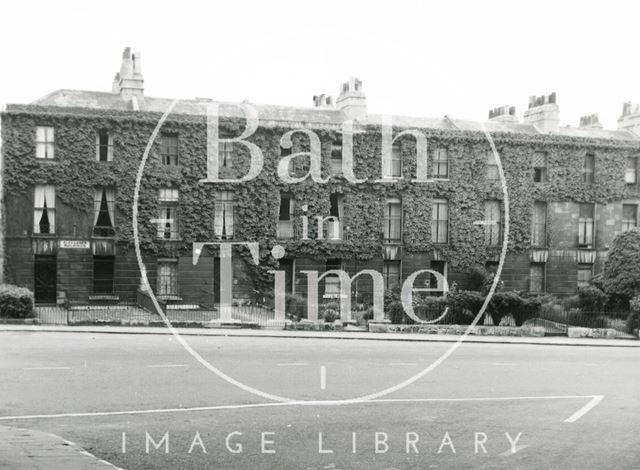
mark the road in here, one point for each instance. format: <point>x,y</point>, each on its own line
<point>486,406</point>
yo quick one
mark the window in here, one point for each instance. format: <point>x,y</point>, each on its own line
<point>539,164</point>
<point>44,143</point>
<point>332,282</point>
<point>391,273</point>
<point>439,267</point>
<point>103,271</point>
<point>224,154</point>
<point>167,277</point>
<point>440,221</point>
<point>169,149</point>
<point>631,170</point>
<point>585,273</point>
<point>104,212</point>
<point>588,171</point>
<point>629,216</point>
<point>537,277</point>
<point>393,221</point>
<point>104,147</point>
<point>336,211</point>
<point>585,225</point>
<point>223,215</point>
<point>44,209</point>
<point>336,157</point>
<point>539,224</point>
<point>493,223</point>
<point>168,217</point>
<point>493,173</point>
<point>285,218</point>
<point>441,164</point>
<point>396,161</point>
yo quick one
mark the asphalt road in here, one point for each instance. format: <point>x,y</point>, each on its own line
<point>486,406</point>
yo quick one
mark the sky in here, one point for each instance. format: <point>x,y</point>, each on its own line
<point>417,58</point>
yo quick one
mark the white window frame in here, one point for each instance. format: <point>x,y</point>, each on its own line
<point>44,193</point>
<point>109,146</point>
<point>439,209</point>
<point>45,143</point>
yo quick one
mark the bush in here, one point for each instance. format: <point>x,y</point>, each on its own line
<point>296,306</point>
<point>16,302</point>
<point>592,299</point>
<point>621,276</point>
<point>465,301</point>
<point>633,320</point>
<point>329,312</point>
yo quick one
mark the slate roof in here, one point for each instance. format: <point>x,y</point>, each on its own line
<point>288,114</point>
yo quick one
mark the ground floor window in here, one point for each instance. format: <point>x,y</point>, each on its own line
<point>332,282</point>
<point>167,277</point>
<point>439,267</point>
<point>103,273</point>
<point>391,273</point>
<point>537,277</point>
<point>585,273</point>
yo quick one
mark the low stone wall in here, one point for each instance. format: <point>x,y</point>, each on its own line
<point>308,325</point>
<point>580,332</point>
<point>482,330</point>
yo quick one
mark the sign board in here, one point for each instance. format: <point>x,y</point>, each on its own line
<point>75,244</point>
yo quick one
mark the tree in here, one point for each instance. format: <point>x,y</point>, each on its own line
<point>621,277</point>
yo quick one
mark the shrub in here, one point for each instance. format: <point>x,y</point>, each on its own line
<point>592,299</point>
<point>465,300</point>
<point>633,320</point>
<point>15,302</point>
<point>296,306</point>
<point>329,311</point>
<point>621,275</point>
<point>395,310</point>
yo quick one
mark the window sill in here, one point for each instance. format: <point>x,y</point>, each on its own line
<point>44,235</point>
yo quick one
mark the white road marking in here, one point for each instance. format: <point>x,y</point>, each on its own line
<point>169,365</point>
<point>46,368</point>
<point>517,449</point>
<point>304,403</point>
<point>285,364</point>
<point>585,409</point>
<point>323,377</point>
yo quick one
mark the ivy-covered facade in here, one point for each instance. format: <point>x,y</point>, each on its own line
<point>69,171</point>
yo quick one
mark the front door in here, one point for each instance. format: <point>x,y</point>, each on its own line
<point>44,274</point>
<point>103,270</point>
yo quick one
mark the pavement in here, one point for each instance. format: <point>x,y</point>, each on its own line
<point>27,449</point>
<point>352,335</point>
<point>118,395</point>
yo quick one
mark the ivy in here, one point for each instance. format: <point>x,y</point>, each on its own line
<point>75,173</point>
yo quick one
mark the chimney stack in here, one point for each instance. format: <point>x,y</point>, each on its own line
<point>543,113</point>
<point>590,122</point>
<point>322,101</point>
<point>630,119</point>
<point>352,100</point>
<point>129,82</point>
<point>503,114</point>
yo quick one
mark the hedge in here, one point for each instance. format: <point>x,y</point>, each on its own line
<point>16,302</point>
